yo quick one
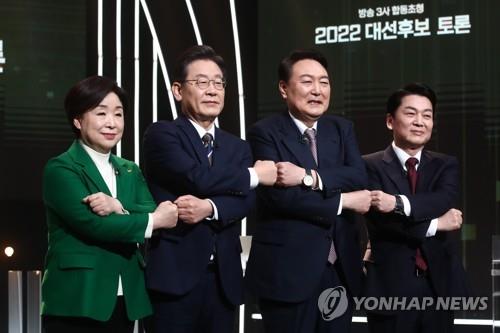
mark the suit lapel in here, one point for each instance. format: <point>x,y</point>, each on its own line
<point>188,129</point>
<point>295,143</point>
<point>81,158</point>
<point>326,139</point>
<point>220,147</point>
<point>425,171</point>
<point>395,171</point>
<point>122,173</point>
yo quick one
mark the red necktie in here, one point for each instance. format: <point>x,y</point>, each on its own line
<point>412,179</point>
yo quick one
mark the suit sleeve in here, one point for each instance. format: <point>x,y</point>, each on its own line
<point>232,208</point>
<point>388,224</point>
<point>444,195</point>
<point>425,206</point>
<point>63,191</point>
<point>296,201</point>
<point>351,176</point>
<point>169,161</point>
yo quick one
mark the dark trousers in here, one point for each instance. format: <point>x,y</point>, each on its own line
<point>306,317</point>
<point>118,322</point>
<point>204,309</point>
<point>413,321</point>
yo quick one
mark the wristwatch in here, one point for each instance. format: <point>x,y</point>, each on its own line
<point>400,207</point>
<point>308,179</point>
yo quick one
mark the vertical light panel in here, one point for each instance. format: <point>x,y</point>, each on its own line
<point>241,95</point>
<point>33,301</point>
<point>155,82</point>
<point>241,321</point>
<point>161,59</point>
<point>194,23</point>
<point>99,38</point>
<point>15,287</point>
<point>136,82</point>
<point>241,104</point>
<point>119,57</point>
<point>239,73</point>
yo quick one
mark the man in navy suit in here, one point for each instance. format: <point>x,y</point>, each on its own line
<point>414,192</point>
<point>194,270</point>
<point>306,241</point>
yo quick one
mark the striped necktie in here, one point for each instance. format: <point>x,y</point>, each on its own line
<point>310,133</point>
<point>208,143</point>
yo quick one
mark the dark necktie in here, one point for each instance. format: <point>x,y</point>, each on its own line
<point>310,134</point>
<point>412,179</point>
<point>208,143</point>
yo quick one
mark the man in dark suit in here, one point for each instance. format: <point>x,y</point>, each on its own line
<point>194,270</point>
<point>414,192</point>
<point>306,241</point>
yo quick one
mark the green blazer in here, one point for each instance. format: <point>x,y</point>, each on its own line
<point>86,252</point>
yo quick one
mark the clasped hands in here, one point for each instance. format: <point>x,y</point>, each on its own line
<point>164,216</point>
<point>187,208</point>
<point>284,174</point>
<point>289,174</point>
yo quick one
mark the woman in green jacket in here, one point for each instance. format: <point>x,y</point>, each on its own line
<point>98,209</point>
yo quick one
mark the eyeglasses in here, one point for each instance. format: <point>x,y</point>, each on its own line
<point>203,83</point>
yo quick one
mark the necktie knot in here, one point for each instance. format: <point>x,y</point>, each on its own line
<point>207,140</point>
<point>310,133</point>
<point>411,163</point>
<point>412,173</point>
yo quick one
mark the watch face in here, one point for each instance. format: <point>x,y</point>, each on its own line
<point>308,180</point>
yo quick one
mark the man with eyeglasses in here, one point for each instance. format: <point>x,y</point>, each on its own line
<point>194,270</point>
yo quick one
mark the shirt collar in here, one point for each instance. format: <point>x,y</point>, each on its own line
<point>301,126</point>
<point>201,131</point>
<point>403,156</point>
<point>96,156</point>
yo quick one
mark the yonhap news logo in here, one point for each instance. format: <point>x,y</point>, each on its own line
<point>421,303</point>
<point>332,303</point>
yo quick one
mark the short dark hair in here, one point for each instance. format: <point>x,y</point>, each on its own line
<point>415,88</point>
<point>197,52</point>
<point>87,94</point>
<point>286,64</point>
